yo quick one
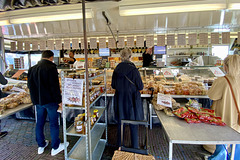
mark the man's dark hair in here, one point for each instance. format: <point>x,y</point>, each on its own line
<point>73,51</point>
<point>47,54</point>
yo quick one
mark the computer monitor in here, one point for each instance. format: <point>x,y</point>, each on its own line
<point>159,50</point>
<point>104,52</point>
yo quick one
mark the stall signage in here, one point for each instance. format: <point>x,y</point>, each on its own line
<point>164,100</point>
<point>35,45</point>
<point>93,43</point>
<point>82,44</point>
<point>27,46</point>
<point>102,43</point>
<point>238,40</point>
<point>75,44</point>
<point>130,41</point>
<point>182,39</point>
<point>192,39</point>
<point>150,41</point>
<point>140,41</point>
<point>50,44</point>
<point>43,45</point>
<point>20,45</point>
<point>160,40</point>
<point>214,38</point>
<point>121,42</point>
<point>225,37</point>
<point>167,72</point>
<point>73,91</point>
<point>67,44</point>
<point>203,38</point>
<point>13,46</point>
<point>111,43</point>
<point>217,72</point>
<point>171,39</point>
<point>58,44</point>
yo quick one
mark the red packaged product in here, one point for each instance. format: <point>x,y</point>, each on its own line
<point>188,120</point>
<point>181,112</point>
<point>208,111</point>
<point>191,116</point>
<point>203,116</point>
<point>193,110</point>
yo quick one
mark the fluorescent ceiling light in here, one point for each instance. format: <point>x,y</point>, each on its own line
<point>234,6</point>
<point>221,30</point>
<point>51,16</point>
<point>4,22</point>
<point>160,8</point>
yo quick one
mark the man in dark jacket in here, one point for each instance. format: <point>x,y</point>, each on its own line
<point>3,81</point>
<point>45,93</point>
<point>127,81</point>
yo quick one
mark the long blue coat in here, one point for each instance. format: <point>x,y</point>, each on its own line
<point>127,98</point>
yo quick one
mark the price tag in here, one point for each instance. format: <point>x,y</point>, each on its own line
<point>167,72</point>
<point>203,38</point>
<point>130,42</point>
<point>73,91</point>
<point>217,72</point>
<point>164,100</point>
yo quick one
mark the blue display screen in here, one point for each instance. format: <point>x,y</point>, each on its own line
<point>104,52</point>
<point>159,50</point>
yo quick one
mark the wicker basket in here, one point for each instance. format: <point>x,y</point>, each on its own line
<point>120,155</point>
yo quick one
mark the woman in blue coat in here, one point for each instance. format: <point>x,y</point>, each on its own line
<point>127,82</point>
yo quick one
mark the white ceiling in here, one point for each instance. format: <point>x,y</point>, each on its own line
<point>130,25</point>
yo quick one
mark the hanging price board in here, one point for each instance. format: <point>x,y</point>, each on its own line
<point>192,39</point>
<point>50,44</point>
<point>214,38</point>
<point>58,44</point>
<point>27,46</point>
<point>20,45</point>
<point>167,73</point>
<point>171,39</point>
<point>217,72</point>
<point>225,37</point>
<point>203,38</point>
<point>73,91</point>
<point>164,100</point>
<point>182,39</point>
<point>130,42</point>
<point>149,41</point>
<point>42,45</point>
<point>75,44</point>
<point>160,40</point>
<point>121,42</point>
<point>35,45</point>
<point>13,46</point>
<point>111,43</point>
<point>93,43</point>
<point>238,40</point>
<point>66,44</point>
<point>140,41</point>
<point>82,44</point>
<point>102,43</point>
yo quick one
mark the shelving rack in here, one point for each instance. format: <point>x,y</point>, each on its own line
<point>90,146</point>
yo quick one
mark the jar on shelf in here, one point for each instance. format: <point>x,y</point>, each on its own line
<point>80,127</point>
<point>94,118</point>
<point>96,113</point>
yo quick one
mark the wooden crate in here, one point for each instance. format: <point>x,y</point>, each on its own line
<point>121,155</point>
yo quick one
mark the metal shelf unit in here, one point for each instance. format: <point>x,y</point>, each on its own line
<point>90,145</point>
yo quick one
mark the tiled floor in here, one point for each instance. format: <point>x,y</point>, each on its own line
<point>20,143</point>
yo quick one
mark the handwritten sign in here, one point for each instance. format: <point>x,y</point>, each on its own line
<point>93,43</point>
<point>50,44</point>
<point>225,37</point>
<point>164,100</point>
<point>214,38</point>
<point>111,43</point>
<point>121,42</point>
<point>171,39</point>
<point>58,44</point>
<point>102,43</point>
<point>192,39</point>
<point>150,41</point>
<point>75,44</point>
<point>13,46</point>
<point>203,38</point>
<point>160,40</point>
<point>73,91</point>
<point>217,72</point>
<point>35,45</point>
<point>140,41</point>
<point>27,46</point>
<point>67,44</point>
<point>182,39</point>
<point>130,41</point>
<point>167,72</point>
<point>43,45</point>
<point>20,45</point>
